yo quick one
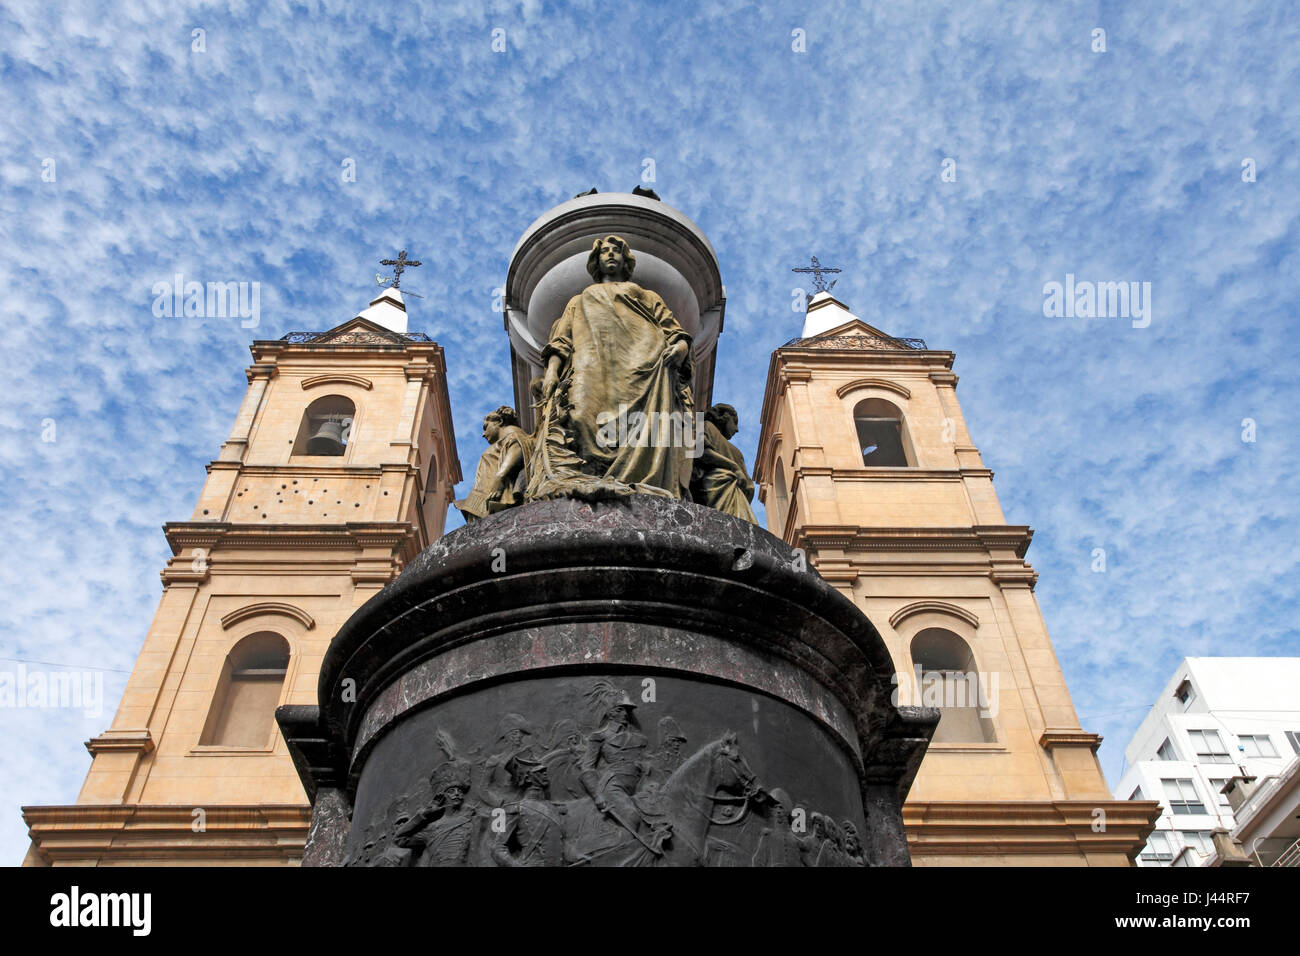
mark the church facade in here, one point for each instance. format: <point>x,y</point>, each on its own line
<point>340,469</point>
<point>865,463</point>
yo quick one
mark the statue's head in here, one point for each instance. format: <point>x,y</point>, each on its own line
<point>852,841</point>
<point>493,422</point>
<point>526,772</point>
<point>611,258</point>
<point>724,419</point>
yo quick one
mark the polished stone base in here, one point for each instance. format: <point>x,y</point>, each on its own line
<point>646,682</point>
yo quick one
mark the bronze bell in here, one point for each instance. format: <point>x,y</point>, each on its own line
<point>328,439</point>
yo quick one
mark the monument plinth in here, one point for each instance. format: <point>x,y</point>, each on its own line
<point>627,682</point>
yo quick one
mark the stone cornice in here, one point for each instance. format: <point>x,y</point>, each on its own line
<point>121,741</point>
<point>350,536</point>
<point>82,833</point>
<point>1051,739</point>
<point>1003,829</point>
<point>890,474</point>
<point>391,345</point>
<point>859,538</point>
<point>297,470</point>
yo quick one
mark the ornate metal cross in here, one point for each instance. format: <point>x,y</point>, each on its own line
<point>401,263</point>
<point>818,270</point>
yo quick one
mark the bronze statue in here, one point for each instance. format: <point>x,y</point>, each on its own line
<point>502,472</point>
<point>719,478</point>
<point>616,410</point>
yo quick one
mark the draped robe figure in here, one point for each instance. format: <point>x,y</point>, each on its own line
<point>616,414</point>
<point>720,479</point>
<point>502,471</point>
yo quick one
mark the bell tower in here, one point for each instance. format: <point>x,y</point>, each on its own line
<point>865,463</point>
<point>338,470</point>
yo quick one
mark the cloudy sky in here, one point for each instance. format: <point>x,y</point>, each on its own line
<point>130,151</point>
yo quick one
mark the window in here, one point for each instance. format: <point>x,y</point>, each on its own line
<point>881,434</point>
<point>1199,841</point>
<point>1209,748</point>
<point>326,427</point>
<point>1217,784</point>
<point>1166,752</point>
<point>1158,848</point>
<point>946,677</point>
<point>1184,692</point>
<point>1293,738</point>
<point>1182,796</point>
<point>1257,745</point>
<point>243,710</point>
<point>782,499</point>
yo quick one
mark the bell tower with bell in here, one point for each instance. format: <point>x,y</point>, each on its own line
<point>865,464</point>
<point>338,470</point>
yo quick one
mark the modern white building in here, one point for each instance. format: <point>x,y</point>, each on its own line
<point>1217,719</point>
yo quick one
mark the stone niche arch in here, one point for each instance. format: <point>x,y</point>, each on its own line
<point>945,674</point>
<point>879,416</point>
<point>242,713</point>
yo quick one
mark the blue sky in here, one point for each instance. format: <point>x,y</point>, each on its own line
<point>225,164</point>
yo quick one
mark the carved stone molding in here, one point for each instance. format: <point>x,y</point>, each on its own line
<point>268,607</point>
<point>932,607</point>
<point>1051,739</point>
<point>121,741</point>
<point>880,383</point>
<point>336,378</point>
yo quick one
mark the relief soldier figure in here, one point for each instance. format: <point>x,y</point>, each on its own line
<point>534,826</point>
<point>852,844</point>
<point>443,833</point>
<point>393,854</point>
<point>495,785</point>
<point>503,470</point>
<point>669,756</point>
<point>612,770</point>
<point>622,805</point>
<point>563,758</point>
<point>720,479</point>
<point>779,845</point>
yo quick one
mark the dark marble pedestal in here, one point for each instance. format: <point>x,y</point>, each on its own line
<point>645,682</point>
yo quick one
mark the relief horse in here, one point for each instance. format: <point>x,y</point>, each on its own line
<point>712,788</point>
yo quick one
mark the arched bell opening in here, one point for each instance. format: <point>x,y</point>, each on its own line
<point>326,427</point>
